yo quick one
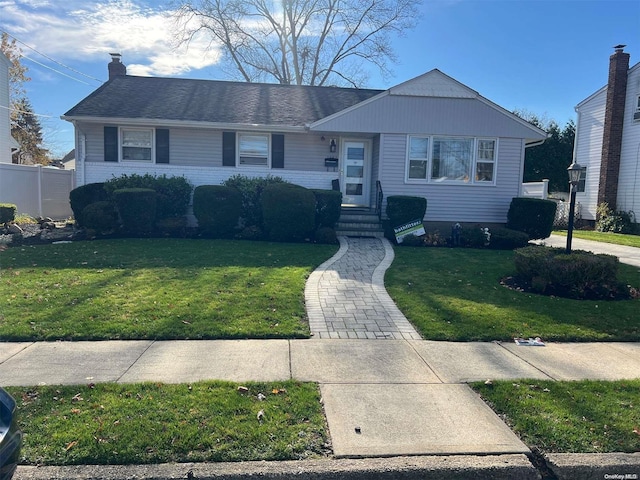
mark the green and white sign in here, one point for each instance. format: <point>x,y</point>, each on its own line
<point>414,227</point>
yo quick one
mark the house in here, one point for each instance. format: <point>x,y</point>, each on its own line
<point>430,136</point>
<point>8,145</point>
<point>607,144</point>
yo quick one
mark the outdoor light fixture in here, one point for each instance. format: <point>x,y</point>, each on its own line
<point>574,171</point>
<point>332,145</point>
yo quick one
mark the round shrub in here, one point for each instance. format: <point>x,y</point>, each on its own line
<point>172,226</point>
<point>251,189</point>
<point>288,211</point>
<point>84,195</point>
<point>328,206</point>
<point>413,241</point>
<point>326,235</point>
<point>100,216</point>
<point>403,209</point>
<point>507,239</point>
<point>7,213</point>
<point>533,216</point>
<point>137,209</point>
<point>217,208</point>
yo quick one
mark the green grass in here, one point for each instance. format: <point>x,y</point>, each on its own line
<point>570,417</point>
<point>455,294</point>
<point>159,423</point>
<point>156,289</point>
<point>607,237</point>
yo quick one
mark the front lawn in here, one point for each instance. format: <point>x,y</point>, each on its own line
<point>607,237</point>
<point>569,417</point>
<point>158,423</point>
<point>455,294</point>
<point>156,289</point>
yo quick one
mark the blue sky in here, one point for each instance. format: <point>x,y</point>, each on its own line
<point>541,56</point>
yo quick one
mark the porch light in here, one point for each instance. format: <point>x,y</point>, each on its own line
<point>574,171</point>
<point>332,145</point>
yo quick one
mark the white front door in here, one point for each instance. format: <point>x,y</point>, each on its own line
<point>355,172</point>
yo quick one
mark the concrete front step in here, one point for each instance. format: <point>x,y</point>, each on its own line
<point>359,222</point>
<point>360,233</point>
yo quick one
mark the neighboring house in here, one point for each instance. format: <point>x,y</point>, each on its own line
<point>608,141</point>
<point>7,143</point>
<point>430,136</point>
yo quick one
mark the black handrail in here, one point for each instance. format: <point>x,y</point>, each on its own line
<point>379,197</point>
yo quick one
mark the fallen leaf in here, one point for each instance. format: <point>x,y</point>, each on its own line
<point>75,410</point>
<point>186,323</point>
<point>636,431</point>
<point>243,389</point>
<point>71,445</point>
<point>260,416</point>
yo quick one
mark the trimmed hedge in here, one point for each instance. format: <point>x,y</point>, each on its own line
<point>217,208</point>
<point>326,235</point>
<point>137,209</point>
<point>328,205</point>
<point>251,189</point>
<point>402,209</point>
<point>288,211</point>
<point>507,239</point>
<point>100,216</point>
<point>532,216</point>
<point>580,274</point>
<point>85,195</point>
<point>7,213</point>
<point>172,193</point>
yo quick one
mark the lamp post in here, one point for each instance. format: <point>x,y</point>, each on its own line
<point>574,177</point>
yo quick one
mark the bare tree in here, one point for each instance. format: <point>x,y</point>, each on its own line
<point>310,42</point>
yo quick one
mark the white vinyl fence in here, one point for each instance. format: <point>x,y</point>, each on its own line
<point>36,190</point>
<point>535,189</point>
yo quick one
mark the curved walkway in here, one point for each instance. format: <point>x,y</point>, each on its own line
<point>346,298</point>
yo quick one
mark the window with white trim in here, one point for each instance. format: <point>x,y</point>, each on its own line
<point>418,157</point>
<point>136,144</point>
<point>582,181</point>
<point>451,159</point>
<point>253,149</point>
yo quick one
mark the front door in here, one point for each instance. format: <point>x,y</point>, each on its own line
<point>355,172</point>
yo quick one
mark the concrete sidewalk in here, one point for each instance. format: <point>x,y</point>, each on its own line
<point>629,255</point>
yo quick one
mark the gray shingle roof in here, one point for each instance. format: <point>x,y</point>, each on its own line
<point>216,101</point>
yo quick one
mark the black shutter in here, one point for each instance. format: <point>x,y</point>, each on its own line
<point>162,145</point>
<point>110,144</point>
<point>277,150</point>
<point>228,149</point>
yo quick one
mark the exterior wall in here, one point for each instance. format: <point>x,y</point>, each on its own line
<point>5,123</point>
<point>588,149</point>
<point>629,178</point>
<point>456,203</point>
<point>438,116</point>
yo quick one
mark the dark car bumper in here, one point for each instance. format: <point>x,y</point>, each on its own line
<point>10,436</point>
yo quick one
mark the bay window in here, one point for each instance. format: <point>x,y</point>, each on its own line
<point>432,159</point>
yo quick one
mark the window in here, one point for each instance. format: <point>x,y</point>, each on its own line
<point>253,150</point>
<point>418,157</point>
<point>582,182</point>
<point>137,144</point>
<point>451,159</point>
<point>636,114</point>
<point>485,159</point>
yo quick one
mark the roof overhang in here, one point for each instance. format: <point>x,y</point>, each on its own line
<point>156,122</point>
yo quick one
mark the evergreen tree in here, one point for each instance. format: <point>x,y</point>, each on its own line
<point>26,129</point>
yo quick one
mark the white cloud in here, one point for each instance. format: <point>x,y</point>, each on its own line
<point>86,31</point>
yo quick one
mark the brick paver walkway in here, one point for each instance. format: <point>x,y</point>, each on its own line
<point>346,298</point>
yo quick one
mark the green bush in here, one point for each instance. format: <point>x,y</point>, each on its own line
<point>288,211</point>
<point>413,241</point>
<point>7,213</point>
<point>172,226</point>
<point>217,208</point>
<point>581,275</point>
<point>532,216</point>
<point>101,216</point>
<point>403,209</point>
<point>172,193</point>
<point>84,195</point>
<point>326,235</point>
<point>473,237</point>
<point>507,239</point>
<point>137,209</point>
<point>328,205</point>
<point>610,220</point>
<point>251,190</point>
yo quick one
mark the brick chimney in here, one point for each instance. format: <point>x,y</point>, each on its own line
<point>116,67</point>
<point>613,121</point>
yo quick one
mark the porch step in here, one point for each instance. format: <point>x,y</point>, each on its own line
<point>359,222</point>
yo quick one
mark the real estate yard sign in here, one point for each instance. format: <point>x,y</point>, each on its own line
<point>414,227</point>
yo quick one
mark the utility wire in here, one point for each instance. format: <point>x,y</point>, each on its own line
<point>28,113</point>
<point>54,61</point>
<point>57,71</point>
